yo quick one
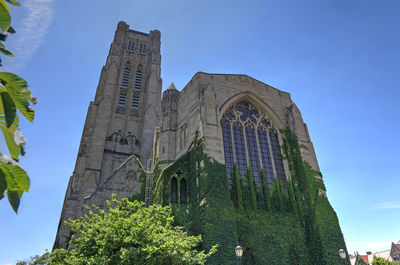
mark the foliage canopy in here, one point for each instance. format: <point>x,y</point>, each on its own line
<point>381,261</point>
<point>14,96</point>
<point>129,233</point>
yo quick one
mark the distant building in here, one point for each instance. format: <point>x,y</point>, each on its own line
<point>393,254</point>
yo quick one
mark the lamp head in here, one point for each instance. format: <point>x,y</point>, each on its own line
<point>342,254</point>
<point>239,251</point>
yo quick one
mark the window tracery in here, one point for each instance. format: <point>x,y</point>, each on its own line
<point>250,140</point>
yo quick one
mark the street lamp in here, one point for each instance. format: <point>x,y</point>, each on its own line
<point>342,254</point>
<point>239,253</point>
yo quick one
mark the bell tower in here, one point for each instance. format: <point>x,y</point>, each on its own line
<point>120,122</point>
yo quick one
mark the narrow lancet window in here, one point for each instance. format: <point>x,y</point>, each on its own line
<point>183,191</point>
<point>122,99</point>
<point>240,149</point>
<point>135,102</point>
<point>142,48</point>
<point>226,132</point>
<point>131,46</point>
<point>174,190</point>
<point>253,154</point>
<point>125,78</point>
<point>276,152</point>
<point>138,80</point>
<point>265,155</point>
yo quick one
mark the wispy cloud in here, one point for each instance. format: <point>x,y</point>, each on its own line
<point>385,206</point>
<point>32,31</point>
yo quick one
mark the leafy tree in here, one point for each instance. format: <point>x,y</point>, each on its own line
<point>14,95</point>
<point>129,233</point>
<point>381,261</point>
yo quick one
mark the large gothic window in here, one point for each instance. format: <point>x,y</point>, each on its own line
<point>250,140</point>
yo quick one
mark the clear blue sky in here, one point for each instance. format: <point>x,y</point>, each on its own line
<point>339,60</point>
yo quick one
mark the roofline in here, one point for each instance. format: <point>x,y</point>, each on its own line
<point>138,32</point>
<point>238,75</point>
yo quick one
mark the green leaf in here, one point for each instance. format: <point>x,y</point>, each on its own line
<point>12,185</point>
<point>3,37</point>
<point>13,126</point>
<point>12,146</point>
<point>17,179</point>
<point>4,51</point>
<point>18,90</point>
<point>21,177</point>
<point>9,110</point>
<point>13,198</point>
<point>5,18</point>
<point>13,2</point>
<point>3,184</point>
<point>11,30</point>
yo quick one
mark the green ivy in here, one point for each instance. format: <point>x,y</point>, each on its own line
<point>210,210</point>
<point>142,179</point>
<point>250,188</point>
<point>282,224</point>
<point>271,238</point>
<point>265,190</point>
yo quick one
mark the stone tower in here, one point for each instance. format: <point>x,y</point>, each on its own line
<point>167,135</point>
<point>120,122</point>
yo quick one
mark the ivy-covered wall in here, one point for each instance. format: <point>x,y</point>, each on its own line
<point>271,238</point>
<point>209,210</point>
<point>290,223</point>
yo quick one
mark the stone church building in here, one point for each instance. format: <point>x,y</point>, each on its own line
<point>130,120</point>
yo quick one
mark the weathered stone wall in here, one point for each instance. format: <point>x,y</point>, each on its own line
<point>207,96</point>
<point>114,131</point>
<point>125,182</point>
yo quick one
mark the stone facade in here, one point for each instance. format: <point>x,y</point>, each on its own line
<point>203,101</point>
<point>128,122</point>
<point>120,121</point>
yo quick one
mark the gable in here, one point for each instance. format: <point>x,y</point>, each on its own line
<point>126,181</point>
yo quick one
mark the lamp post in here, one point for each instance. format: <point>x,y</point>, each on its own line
<point>239,253</point>
<point>342,254</point>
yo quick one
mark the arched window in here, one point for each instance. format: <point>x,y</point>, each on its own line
<point>250,140</point>
<point>183,191</point>
<point>117,136</point>
<point>174,190</point>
